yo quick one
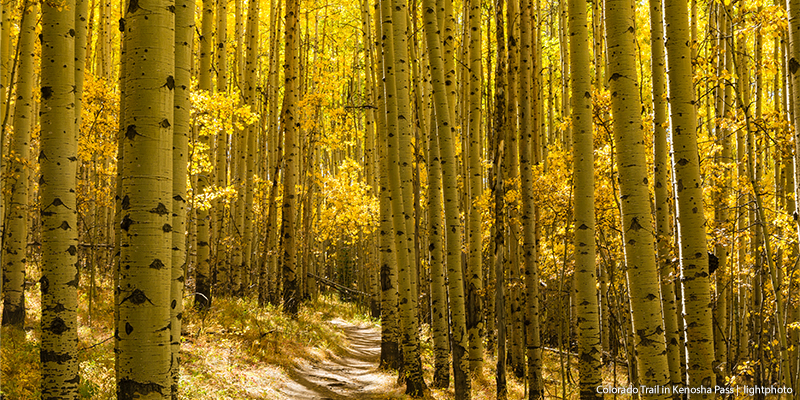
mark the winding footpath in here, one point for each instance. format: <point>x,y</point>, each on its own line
<point>351,375</point>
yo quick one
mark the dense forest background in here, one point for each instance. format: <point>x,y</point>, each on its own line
<point>609,186</point>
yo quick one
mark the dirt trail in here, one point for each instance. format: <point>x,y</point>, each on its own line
<point>353,375</point>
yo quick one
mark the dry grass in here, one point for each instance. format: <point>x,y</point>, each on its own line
<point>236,350</point>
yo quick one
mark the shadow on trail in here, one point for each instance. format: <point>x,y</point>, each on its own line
<point>352,375</point>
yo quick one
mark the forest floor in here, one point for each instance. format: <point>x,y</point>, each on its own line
<point>236,350</point>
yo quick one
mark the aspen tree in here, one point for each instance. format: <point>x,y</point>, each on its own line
<point>3,105</point>
<point>221,160</point>
<point>417,123</point>
<point>527,156</point>
<point>439,312</point>
<point>81,11</point>
<point>724,157</point>
<point>689,193</point>
<point>474,279</point>
<point>5,72</point>
<point>793,11</point>
<point>15,241</point>
<point>517,335</point>
<point>123,73</point>
<point>370,153</point>
<point>238,59</point>
<point>589,350</point>
<point>251,99</point>
<point>637,221</point>
<point>445,130</point>
<point>398,156</point>
<point>143,330</point>
<point>662,192</point>
<point>203,294</point>
<point>391,356</point>
<point>108,21</point>
<point>291,132</point>
<point>57,161</point>
<point>220,44</point>
<point>566,110</point>
<point>274,134</point>
<point>228,277</point>
<point>753,109</point>
<point>184,36</point>
<point>499,201</point>
<point>742,224</point>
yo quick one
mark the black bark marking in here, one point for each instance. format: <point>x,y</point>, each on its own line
<point>72,250</point>
<point>170,81</point>
<point>131,390</point>
<point>130,132</point>
<point>47,92</point>
<point>644,340</point>
<point>58,308</point>
<point>54,356</point>
<point>65,225</point>
<point>386,282</point>
<point>72,32</point>
<point>635,224</point>
<point>160,209</point>
<point>74,282</point>
<point>137,297</point>
<point>122,24</point>
<point>173,304</point>
<point>167,228</point>
<point>165,123</point>
<point>41,157</point>
<point>128,328</point>
<point>126,223</point>
<point>73,158</point>
<point>57,202</point>
<point>157,264</point>
<point>793,65</point>
<point>57,326</point>
<point>45,284</point>
<point>683,162</point>
<point>583,227</point>
<point>178,197</point>
<point>615,76</point>
<point>126,202</point>
<point>133,5</point>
